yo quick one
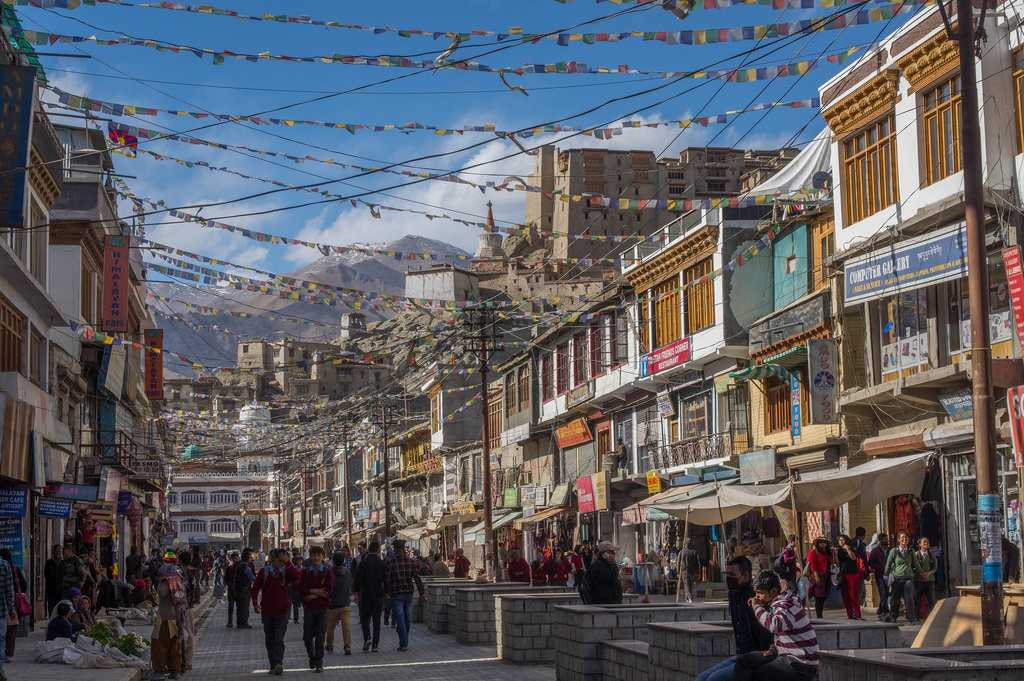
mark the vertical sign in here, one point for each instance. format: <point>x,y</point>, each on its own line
<point>1015,282</point>
<point>794,403</point>
<point>1015,405</point>
<point>154,364</point>
<point>823,375</point>
<point>17,89</point>
<point>115,283</point>
<point>585,494</point>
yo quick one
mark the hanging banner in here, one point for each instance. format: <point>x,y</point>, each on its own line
<point>585,494</point>
<point>600,486</point>
<point>794,403</point>
<point>1015,405</point>
<point>1015,282</point>
<point>115,283</point>
<point>653,482</point>
<point>17,83</point>
<point>823,375</point>
<point>154,364</point>
<point>574,433</point>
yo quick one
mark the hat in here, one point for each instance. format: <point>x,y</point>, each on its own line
<point>606,546</point>
<point>170,557</point>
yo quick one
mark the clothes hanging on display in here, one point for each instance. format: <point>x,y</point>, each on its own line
<point>904,516</point>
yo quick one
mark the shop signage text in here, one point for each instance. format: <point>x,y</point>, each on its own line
<point>666,407</point>
<point>154,370</point>
<point>823,374</point>
<point>1015,405</point>
<point>10,539</point>
<point>672,355</point>
<point>66,490</point>
<point>959,404</point>
<point>908,265</point>
<point>12,502</point>
<point>115,282</point>
<point>580,394</point>
<point>1015,282</point>
<point>600,485</point>
<point>585,494</point>
<point>653,482</point>
<point>794,403</point>
<point>574,433</point>
<point>54,508</point>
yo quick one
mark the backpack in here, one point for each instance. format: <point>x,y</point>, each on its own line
<point>240,581</point>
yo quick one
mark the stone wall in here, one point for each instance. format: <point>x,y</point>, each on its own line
<point>523,626</point>
<point>473,619</point>
<point>995,663</point>
<point>624,661</point>
<point>435,611</point>
<point>577,631</point>
<point>682,650</point>
<point>419,605</point>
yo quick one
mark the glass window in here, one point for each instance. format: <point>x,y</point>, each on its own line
<point>940,118</point>
<point>562,359</point>
<point>511,398</point>
<point>695,415</point>
<point>548,376</point>
<point>667,327</point>
<point>224,497</point>
<point>648,436</point>
<point>903,325</point>
<point>869,171</point>
<point>524,387</point>
<point>700,297</point>
<point>823,247</point>
<point>1000,323</point>
<point>579,359</point>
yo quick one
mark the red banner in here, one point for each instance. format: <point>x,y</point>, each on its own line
<point>1015,282</point>
<point>154,364</point>
<point>1015,405</point>
<point>115,283</point>
<point>585,494</point>
<point>671,355</point>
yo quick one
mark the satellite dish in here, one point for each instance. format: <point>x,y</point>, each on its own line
<point>822,180</point>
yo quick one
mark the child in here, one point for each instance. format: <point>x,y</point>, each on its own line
<point>796,643</point>
<point>60,626</point>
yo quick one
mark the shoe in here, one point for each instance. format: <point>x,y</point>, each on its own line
<point>348,651</point>
<point>278,669</point>
<point>319,669</point>
<point>402,649</point>
<point>329,649</point>
<point>312,664</point>
<point>366,646</point>
<point>375,649</point>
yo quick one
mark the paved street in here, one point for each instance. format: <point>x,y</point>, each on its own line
<point>233,654</point>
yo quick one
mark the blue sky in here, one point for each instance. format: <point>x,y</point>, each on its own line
<point>446,98</point>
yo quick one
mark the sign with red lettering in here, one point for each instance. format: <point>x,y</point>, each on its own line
<point>671,355</point>
<point>154,363</point>
<point>585,494</point>
<point>1015,282</point>
<point>115,283</point>
<point>1015,405</point>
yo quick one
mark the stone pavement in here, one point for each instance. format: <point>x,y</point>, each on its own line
<point>233,654</point>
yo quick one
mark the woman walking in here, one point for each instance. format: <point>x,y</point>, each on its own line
<point>819,561</point>
<point>851,574</point>
<point>20,587</point>
<point>899,570</point>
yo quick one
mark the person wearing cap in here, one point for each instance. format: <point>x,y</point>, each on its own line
<point>603,576</point>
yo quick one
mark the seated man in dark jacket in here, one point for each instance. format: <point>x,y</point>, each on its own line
<point>603,583</point>
<point>750,635</point>
<point>60,626</point>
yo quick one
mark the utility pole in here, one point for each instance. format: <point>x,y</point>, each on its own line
<point>384,418</point>
<point>348,503</point>
<point>989,505</point>
<point>483,342</point>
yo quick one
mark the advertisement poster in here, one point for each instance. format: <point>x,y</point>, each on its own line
<point>574,433</point>
<point>585,494</point>
<point>10,538</point>
<point>600,486</point>
<point>823,372</point>
<point>12,502</point>
<point>115,283</point>
<point>1015,282</point>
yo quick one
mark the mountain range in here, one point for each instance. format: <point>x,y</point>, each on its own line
<point>211,339</point>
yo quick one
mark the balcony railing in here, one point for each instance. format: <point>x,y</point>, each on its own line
<point>114,448</point>
<point>698,450</point>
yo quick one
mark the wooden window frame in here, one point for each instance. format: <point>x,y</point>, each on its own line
<point>547,374</point>
<point>562,368</point>
<point>686,431</point>
<point>435,413</point>
<point>523,379</point>
<point>823,247</point>
<point>494,410</point>
<point>778,413</point>
<point>667,322</point>
<point>511,398</point>
<point>867,154</point>
<point>579,359</point>
<point>598,365</point>
<point>643,322</point>
<point>12,337</point>
<point>700,296</point>
<point>935,112</point>
<point>1018,100</point>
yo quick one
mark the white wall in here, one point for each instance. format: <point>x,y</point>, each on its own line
<point>65,280</point>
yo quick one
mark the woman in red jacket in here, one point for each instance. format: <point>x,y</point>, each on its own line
<point>819,562</point>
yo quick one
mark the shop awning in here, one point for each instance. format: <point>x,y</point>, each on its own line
<point>759,372</point>
<point>540,516</point>
<point>873,482</point>
<point>679,499</point>
<point>412,534</point>
<point>789,358</point>
<point>475,534</point>
<point>708,510</point>
<point>638,512</point>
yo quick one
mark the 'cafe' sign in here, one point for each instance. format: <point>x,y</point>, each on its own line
<point>672,355</point>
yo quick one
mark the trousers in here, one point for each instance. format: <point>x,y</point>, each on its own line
<point>334,616</point>
<point>274,629</point>
<point>242,609</point>
<point>314,627</point>
<point>400,615</point>
<point>851,595</point>
<point>369,613</point>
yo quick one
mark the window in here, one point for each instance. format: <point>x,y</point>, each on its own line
<point>666,312</point>
<point>435,413</point>
<point>224,526</point>
<point>547,376</point>
<point>738,399</point>
<point>941,122</point>
<point>869,170</point>
<point>245,349</point>
<point>1000,329</point>
<point>193,525</point>
<point>524,387</point>
<point>621,349</point>
<point>643,320</point>
<point>597,361</point>
<point>11,329</point>
<point>648,436</point>
<point>778,414</point>
<point>562,360</point>
<point>193,497</point>
<point>823,247</point>
<point>494,422</point>
<point>465,482</point>
<point>37,358</point>
<point>88,295</point>
<point>695,417</point>
<point>478,472</point>
<point>511,399</point>
<point>224,497</point>
<point>172,498</point>
<point>903,325</point>
<point>673,429</point>
<point>700,297</point>
<point>579,359</point>
<point>39,238</point>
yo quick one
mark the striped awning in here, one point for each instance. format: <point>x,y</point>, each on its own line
<point>790,358</point>
<point>759,372</point>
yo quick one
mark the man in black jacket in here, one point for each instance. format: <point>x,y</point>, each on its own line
<point>750,635</point>
<point>603,583</point>
<point>369,584</point>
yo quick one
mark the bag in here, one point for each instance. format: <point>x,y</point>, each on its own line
<point>21,605</point>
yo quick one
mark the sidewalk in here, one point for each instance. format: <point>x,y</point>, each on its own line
<point>24,667</point>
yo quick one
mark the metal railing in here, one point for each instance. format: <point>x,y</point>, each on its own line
<point>698,450</point>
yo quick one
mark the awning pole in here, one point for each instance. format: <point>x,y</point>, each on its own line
<point>679,559</point>
<point>796,520</point>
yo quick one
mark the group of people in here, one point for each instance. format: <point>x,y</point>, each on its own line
<point>594,572</point>
<point>323,592</point>
<point>902,574</point>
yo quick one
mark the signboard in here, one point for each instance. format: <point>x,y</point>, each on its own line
<point>672,355</point>
<point>794,403</point>
<point>959,404</point>
<point>823,374</point>
<point>573,433</point>
<point>67,490</point>
<point>1015,282</point>
<point>940,256</point>
<point>511,497</point>
<point>110,484</point>
<point>17,83</point>
<point>757,466</point>
<point>791,322</point>
<point>653,482</point>
<point>600,485</point>
<point>114,316</point>
<point>12,502</point>
<point>54,508</point>
<point>580,394</point>
<point>585,494</point>
<point>10,539</point>
<point>154,364</point>
<point>666,407</point>
<point>1015,405</point>
<point>124,502</point>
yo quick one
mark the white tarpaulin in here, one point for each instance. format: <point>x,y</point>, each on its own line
<point>874,482</point>
<point>798,175</point>
<point>704,511</point>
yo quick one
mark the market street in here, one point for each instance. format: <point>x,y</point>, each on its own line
<point>223,653</point>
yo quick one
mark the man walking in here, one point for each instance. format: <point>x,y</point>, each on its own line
<point>603,584</point>
<point>297,563</point>
<point>341,599</point>
<point>271,597</point>
<point>401,574</point>
<point>316,587</point>
<point>229,586</point>
<point>369,584</point>
<point>691,568</point>
<point>241,586</point>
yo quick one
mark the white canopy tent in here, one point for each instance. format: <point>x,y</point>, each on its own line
<point>798,175</point>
